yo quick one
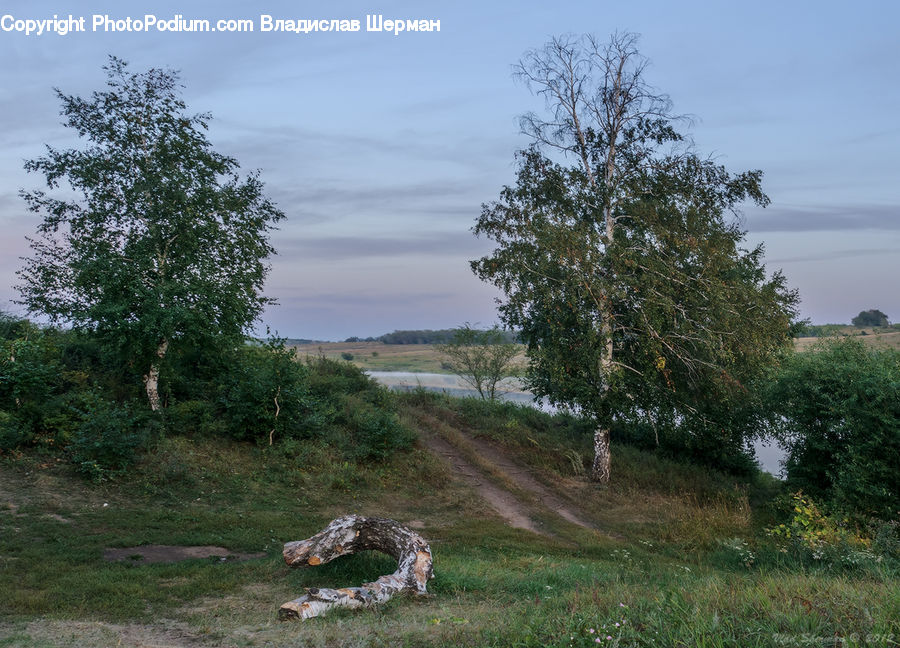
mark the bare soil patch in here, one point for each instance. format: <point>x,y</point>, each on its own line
<point>147,554</point>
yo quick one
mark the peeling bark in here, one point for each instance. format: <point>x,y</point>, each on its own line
<point>349,535</point>
<point>151,380</point>
<point>601,467</point>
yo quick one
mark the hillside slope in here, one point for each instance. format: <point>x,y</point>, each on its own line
<point>655,559</point>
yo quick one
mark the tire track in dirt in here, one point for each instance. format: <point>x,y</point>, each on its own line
<point>505,503</point>
<point>523,478</point>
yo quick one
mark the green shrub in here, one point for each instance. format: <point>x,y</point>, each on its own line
<point>29,382</point>
<point>195,416</point>
<point>264,395</point>
<point>837,409</point>
<point>347,356</point>
<point>329,377</point>
<point>12,433</point>
<point>109,437</point>
<point>378,433</point>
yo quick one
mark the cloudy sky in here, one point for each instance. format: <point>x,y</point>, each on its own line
<point>381,148</point>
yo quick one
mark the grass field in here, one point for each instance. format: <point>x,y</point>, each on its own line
<point>376,356</point>
<point>680,558</point>
<point>875,338</point>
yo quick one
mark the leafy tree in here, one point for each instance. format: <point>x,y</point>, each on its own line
<point>481,358</point>
<point>159,242</point>
<point>836,408</point>
<point>872,317</point>
<point>622,270</point>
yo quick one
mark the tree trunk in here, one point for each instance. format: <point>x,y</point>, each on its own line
<point>151,380</point>
<point>602,458</point>
<point>348,535</point>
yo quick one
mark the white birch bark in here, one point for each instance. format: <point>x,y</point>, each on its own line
<point>151,379</point>
<point>348,535</point>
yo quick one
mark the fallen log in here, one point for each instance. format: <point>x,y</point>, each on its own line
<point>350,534</point>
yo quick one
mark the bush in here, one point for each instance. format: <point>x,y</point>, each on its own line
<point>346,355</point>
<point>329,377</point>
<point>264,395</point>
<point>196,416</point>
<point>29,383</point>
<point>359,414</point>
<point>109,437</point>
<point>837,410</point>
<point>378,433</point>
<point>12,434</point>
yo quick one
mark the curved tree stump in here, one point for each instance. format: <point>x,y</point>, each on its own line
<point>348,535</point>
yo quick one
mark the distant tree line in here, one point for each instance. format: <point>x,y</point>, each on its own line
<point>820,330</point>
<point>869,318</point>
<point>429,336</point>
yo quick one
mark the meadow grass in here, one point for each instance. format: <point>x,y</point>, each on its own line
<point>377,356</point>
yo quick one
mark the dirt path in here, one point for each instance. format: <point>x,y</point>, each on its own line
<point>509,508</point>
<point>523,478</point>
<point>515,511</point>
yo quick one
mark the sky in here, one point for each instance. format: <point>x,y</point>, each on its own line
<point>381,148</point>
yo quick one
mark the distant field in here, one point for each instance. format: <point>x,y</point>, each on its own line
<point>879,339</point>
<point>377,356</point>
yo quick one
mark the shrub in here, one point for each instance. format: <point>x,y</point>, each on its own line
<point>109,437</point>
<point>837,410</point>
<point>378,433</point>
<point>196,416</point>
<point>358,414</point>
<point>264,394</point>
<point>29,383</point>
<point>346,355</point>
<point>12,433</point>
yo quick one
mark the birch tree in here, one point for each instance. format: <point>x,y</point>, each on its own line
<point>615,253</point>
<point>148,237</point>
<point>480,358</point>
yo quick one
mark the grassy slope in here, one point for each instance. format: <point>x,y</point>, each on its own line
<point>493,586</point>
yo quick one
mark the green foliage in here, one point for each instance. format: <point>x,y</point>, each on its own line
<point>12,433</point>
<point>837,409</point>
<point>62,392</point>
<point>29,382</point>
<point>426,336</point>
<point>359,416</point>
<point>377,433</point>
<point>871,317</point>
<point>264,394</point>
<point>809,526</point>
<point>165,244</point>
<point>693,440</point>
<point>821,330</point>
<point>346,355</point>
<point>481,358</point>
<point>109,436</point>
<point>624,270</point>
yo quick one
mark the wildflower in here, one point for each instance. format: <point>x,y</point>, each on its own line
<point>591,631</point>
<point>597,640</point>
<point>617,624</point>
<point>621,605</point>
<point>608,638</point>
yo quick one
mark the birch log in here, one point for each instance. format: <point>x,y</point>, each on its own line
<point>348,535</point>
